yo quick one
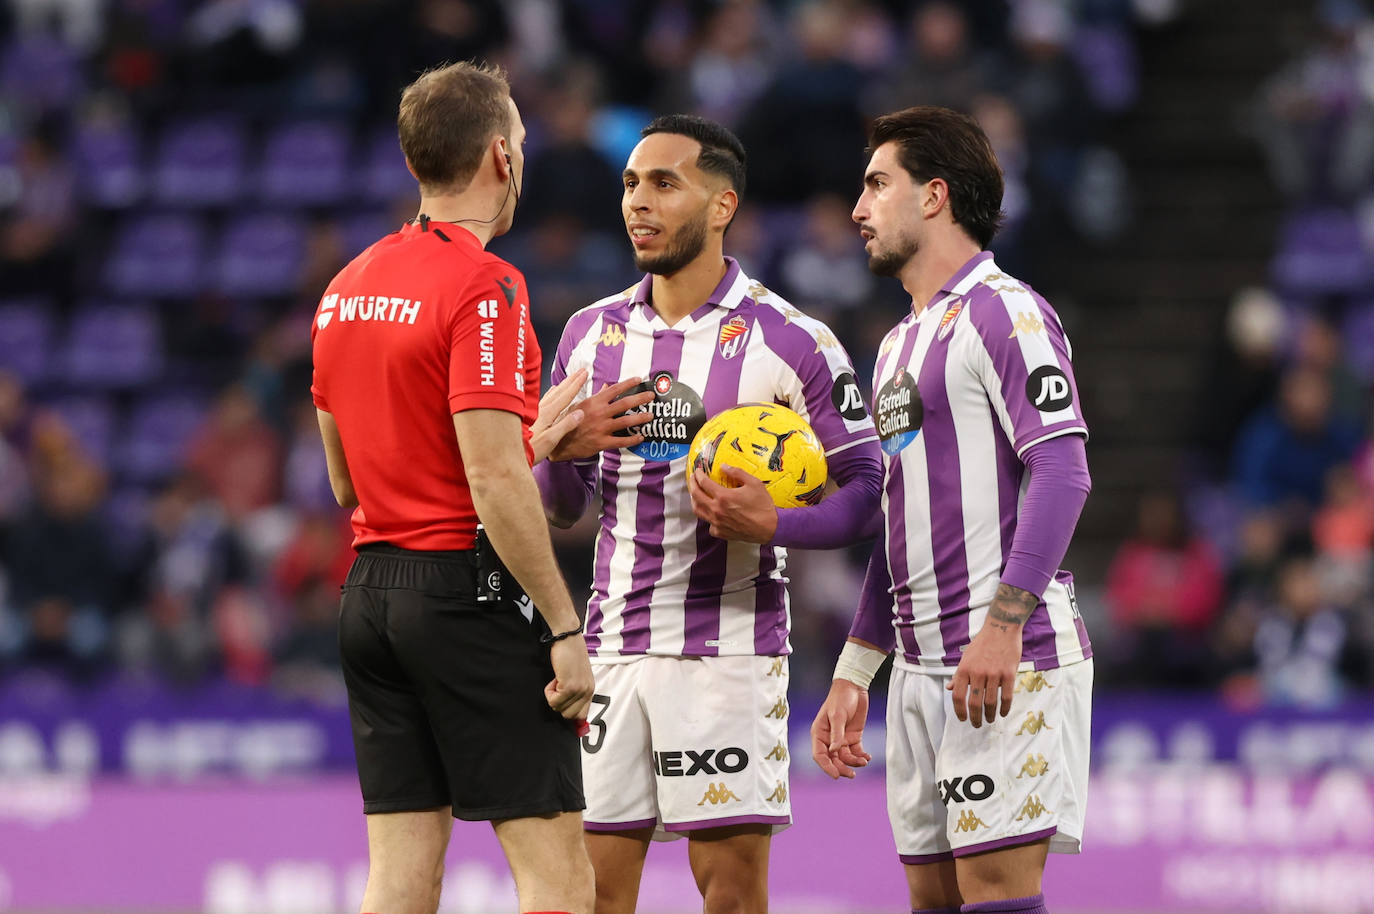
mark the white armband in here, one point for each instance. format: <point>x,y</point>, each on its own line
<point>858,664</point>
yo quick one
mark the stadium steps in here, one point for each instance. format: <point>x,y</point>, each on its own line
<point>1145,310</point>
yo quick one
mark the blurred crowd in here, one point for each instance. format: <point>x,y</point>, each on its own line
<point>179,179</point>
<point>1259,580</point>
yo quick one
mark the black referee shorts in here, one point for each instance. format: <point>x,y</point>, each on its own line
<point>446,695</point>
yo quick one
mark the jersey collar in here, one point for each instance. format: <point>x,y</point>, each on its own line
<point>728,294</point>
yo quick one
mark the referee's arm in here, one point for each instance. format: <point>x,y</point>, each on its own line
<point>508,504</point>
<point>339,478</point>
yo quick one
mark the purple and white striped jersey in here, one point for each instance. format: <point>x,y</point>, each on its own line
<point>662,584</point>
<point>960,392</point>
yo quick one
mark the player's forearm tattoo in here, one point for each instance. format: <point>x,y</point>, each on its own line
<point>1011,606</point>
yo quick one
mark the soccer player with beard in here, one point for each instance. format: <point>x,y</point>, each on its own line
<point>985,476</point>
<point>689,617</point>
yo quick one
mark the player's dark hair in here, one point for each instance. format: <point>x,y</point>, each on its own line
<point>447,118</point>
<point>934,142</point>
<point>721,151</point>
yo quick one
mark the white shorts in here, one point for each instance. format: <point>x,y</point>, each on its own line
<point>953,790</point>
<point>682,743</point>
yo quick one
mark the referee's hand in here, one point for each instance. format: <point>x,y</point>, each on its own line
<point>570,692</point>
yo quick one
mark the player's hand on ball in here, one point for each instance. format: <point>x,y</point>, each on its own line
<point>602,417</point>
<point>745,513</point>
<point>570,692</point>
<point>837,732</point>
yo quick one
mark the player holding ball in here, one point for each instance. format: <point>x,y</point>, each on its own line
<point>688,621</point>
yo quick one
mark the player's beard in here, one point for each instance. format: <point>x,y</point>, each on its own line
<point>890,261</point>
<point>685,246</point>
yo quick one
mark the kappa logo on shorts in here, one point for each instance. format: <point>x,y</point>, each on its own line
<point>717,794</point>
<point>975,787</point>
<point>728,761</point>
<point>776,668</point>
<point>1032,808</point>
<point>1032,682</point>
<point>969,821</point>
<point>778,753</point>
<point>1034,767</point>
<point>1035,720</point>
<point>779,710</point>
<point>779,794</point>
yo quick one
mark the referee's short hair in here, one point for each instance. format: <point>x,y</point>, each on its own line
<point>721,154</point>
<point>934,142</point>
<point>447,118</point>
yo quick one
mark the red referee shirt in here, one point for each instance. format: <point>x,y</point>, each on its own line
<point>421,325</point>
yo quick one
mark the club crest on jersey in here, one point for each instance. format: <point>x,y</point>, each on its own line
<point>947,322</point>
<point>733,334</point>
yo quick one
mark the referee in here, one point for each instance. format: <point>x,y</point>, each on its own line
<point>426,379</point>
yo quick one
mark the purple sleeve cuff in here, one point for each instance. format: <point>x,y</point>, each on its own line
<point>847,515</point>
<point>873,619</point>
<point>566,488</point>
<point>1058,487</point>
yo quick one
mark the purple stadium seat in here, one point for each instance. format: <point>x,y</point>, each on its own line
<point>1111,69</point>
<point>306,164</point>
<point>1359,339</point>
<point>40,72</point>
<point>157,435</point>
<point>26,334</point>
<point>200,163</point>
<point>384,178</point>
<point>113,346</point>
<point>126,512</point>
<point>1320,252</point>
<point>363,230</point>
<point>157,256</point>
<point>108,160</point>
<point>260,254</point>
<point>91,420</point>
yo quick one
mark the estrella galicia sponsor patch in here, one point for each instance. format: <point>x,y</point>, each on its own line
<point>1048,389</point>
<point>898,412</point>
<point>672,418</point>
<point>847,397</point>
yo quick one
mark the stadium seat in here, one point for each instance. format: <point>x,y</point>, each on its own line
<point>260,255</point>
<point>26,334</point>
<point>362,230</point>
<point>41,73</point>
<point>157,256</point>
<point>1320,253</point>
<point>92,420</point>
<point>305,164</point>
<point>155,439</point>
<point>1359,339</point>
<point>113,346</point>
<point>200,163</point>
<point>384,178</point>
<point>108,160</point>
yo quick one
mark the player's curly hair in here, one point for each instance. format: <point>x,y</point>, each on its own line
<point>447,118</point>
<point>934,142</point>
